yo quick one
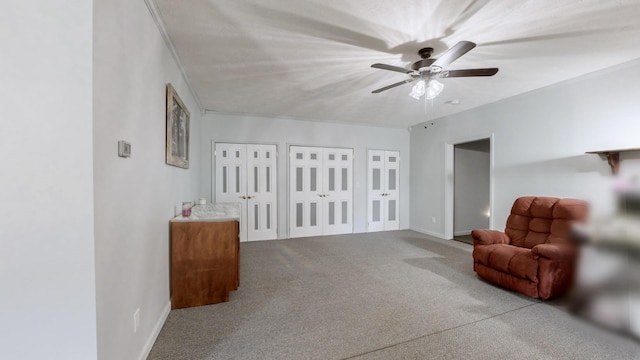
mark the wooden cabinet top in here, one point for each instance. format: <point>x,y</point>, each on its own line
<point>212,212</point>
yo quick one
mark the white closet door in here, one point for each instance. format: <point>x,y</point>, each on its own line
<point>338,192</point>
<point>320,191</point>
<point>305,191</point>
<point>231,178</point>
<point>246,174</point>
<point>375,190</point>
<point>383,190</point>
<point>261,192</point>
<point>392,190</point>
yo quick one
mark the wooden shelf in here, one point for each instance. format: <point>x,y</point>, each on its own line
<point>613,157</point>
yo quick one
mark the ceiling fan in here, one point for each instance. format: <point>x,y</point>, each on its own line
<point>427,70</point>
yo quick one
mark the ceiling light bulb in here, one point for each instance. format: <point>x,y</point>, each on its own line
<point>418,89</point>
<point>434,89</point>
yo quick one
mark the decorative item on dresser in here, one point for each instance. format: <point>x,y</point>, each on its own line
<point>205,255</point>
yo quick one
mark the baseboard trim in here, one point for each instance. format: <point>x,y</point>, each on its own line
<point>156,331</point>
<point>427,232</point>
<point>462,233</point>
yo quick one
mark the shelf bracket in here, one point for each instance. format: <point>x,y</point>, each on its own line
<point>613,157</point>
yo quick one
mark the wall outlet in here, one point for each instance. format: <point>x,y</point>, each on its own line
<point>433,219</point>
<point>136,320</point>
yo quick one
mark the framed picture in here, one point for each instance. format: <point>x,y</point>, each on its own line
<point>177,130</point>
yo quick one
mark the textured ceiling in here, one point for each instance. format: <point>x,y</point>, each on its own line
<point>310,60</point>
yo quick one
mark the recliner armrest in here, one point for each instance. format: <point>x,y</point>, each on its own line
<point>555,251</point>
<point>488,237</point>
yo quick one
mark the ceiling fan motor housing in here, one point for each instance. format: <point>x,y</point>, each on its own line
<point>424,63</point>
<point>425,54</point>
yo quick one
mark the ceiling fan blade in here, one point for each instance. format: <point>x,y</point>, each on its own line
<point>468,72</point>
<point>453,53</point>
<point>391,68</point>
<point>392,86</point>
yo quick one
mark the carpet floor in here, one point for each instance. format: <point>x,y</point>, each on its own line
<point>386,295</point>
<point>467,239</point>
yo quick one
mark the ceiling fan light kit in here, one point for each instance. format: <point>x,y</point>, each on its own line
<point>418,90</point>
<point>427,70</point>
<point>434,89</point>
<point>431,89</point>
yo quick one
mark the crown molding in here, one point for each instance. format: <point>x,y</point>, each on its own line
<point>155,15</point>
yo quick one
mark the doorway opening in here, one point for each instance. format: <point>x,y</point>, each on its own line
<point>468,189</point>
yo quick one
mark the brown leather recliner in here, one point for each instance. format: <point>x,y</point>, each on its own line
<point>535,255</point>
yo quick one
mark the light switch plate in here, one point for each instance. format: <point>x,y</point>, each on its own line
<point>124,149</point>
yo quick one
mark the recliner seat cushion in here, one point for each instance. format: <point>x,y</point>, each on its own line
<point>508,259</point>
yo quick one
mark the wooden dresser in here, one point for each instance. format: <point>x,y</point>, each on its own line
<point>205,256</point>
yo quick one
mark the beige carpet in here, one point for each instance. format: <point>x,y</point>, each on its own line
<point>387,295</point>
<point>467,239</point>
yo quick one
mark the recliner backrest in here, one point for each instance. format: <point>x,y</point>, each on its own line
<point>539,220</point>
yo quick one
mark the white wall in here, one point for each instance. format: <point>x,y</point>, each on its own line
<point>471,186</point>
<point>134,198</point>
<point>284,132</point>
<point>46,181</point>
<point>540,139</point>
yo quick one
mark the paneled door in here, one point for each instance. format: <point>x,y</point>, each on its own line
<point>246,174</point>
<point>320,191</point>
<point>383,190</point>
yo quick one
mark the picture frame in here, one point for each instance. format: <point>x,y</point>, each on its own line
<point>177,151</point>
